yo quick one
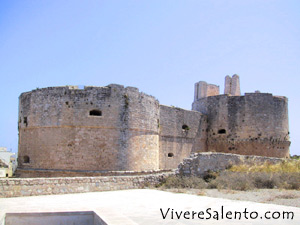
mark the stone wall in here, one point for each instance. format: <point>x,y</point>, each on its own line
<point>117,128</point>
<point>232,85</point>
<point>30,173</point>
<point>254,124</point>
<point>95,128</point>
<point>203,89</point>
<point>199,163</point>
<point>181,132</point>
<point>140,138</point>
<point>18,187</point>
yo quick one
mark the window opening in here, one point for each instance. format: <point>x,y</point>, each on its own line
<point>170,154</point>
<point>222,131</point>
<point>26,159</point>
<point>25,121</point>
<point>185,127</point>
<point>95,112</point>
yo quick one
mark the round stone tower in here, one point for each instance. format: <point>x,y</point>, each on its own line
<point>254,124</point>
<point>92,129</point>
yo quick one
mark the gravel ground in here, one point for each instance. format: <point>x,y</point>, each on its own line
<point>272,196</point>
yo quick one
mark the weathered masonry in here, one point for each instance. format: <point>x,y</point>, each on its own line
<point>114,128</point>
<point>253,124</point>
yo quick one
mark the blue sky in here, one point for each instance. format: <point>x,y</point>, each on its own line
<point>161,47</point>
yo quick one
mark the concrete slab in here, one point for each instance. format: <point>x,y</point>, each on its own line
<point>146,206</point>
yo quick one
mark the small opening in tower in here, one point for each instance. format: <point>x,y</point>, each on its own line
<point>222,131</point>
<point>170,154</point>
<point>25,121</point>
<point>95,112</point>
<point>26,159</point>
<point>185,127</point>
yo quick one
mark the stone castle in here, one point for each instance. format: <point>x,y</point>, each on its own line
<point>114,128</point>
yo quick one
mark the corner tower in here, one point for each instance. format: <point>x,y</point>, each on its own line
<point>92,129</point>
<point>254,124</point>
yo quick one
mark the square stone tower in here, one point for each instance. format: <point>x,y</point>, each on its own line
<point>203,89</point>
<point>232,85</point>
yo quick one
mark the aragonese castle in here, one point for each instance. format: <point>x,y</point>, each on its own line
<point>113,128</point>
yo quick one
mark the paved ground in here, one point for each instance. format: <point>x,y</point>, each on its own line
<point>143,207</point>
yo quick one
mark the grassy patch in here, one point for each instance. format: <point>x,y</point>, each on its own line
<point>260,180</point>
<point>283,167</point>
<point>285,175</point>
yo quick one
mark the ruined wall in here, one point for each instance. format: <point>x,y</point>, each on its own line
<point>203,89</point>
<point>181,132</point>
<point>254,124</point>
<point>199,163</point>
<point>95,128</point>
<point>232,85</point>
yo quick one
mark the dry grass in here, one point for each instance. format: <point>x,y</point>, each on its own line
<point>285,175</point>
<point>283,167</point>
<point>286,196</point>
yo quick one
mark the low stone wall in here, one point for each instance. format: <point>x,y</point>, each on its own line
<point>17,187</point>
<point>199,163</point>
<point>31,173</point>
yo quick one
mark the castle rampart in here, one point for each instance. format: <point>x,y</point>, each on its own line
<point>117,128</point>
<point>181,132</point>
<point>96,128</point>
<point>254,124</point>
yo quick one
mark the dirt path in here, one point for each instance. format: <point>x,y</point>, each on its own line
<point>272,196</point>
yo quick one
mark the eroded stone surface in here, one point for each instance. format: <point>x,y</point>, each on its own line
<point>199,163</point>
<point>117,128</point>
